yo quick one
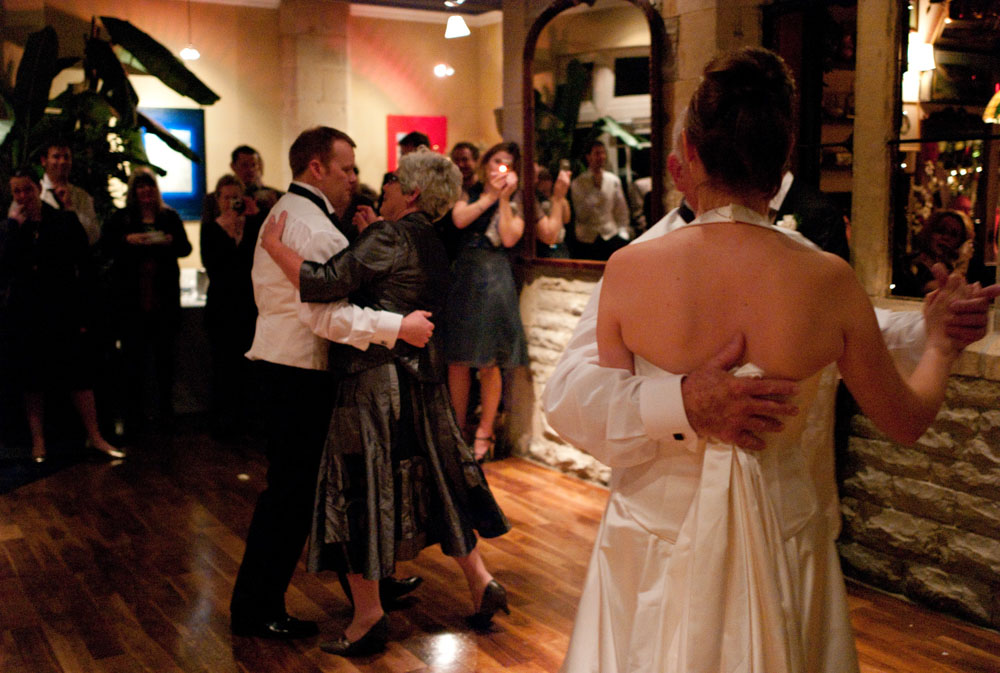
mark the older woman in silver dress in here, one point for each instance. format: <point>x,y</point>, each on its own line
<point>396,475</point>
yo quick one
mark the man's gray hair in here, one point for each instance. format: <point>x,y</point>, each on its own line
<point>437,178</point>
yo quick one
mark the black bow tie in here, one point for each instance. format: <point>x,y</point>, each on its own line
<point>684,210</point>
<point>320,203</point>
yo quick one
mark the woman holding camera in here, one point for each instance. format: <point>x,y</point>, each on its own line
<point>227,246</point>
<point>483,318</point>
<point>144,240</point>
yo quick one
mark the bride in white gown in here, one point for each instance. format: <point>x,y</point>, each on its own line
<point>720,560</point>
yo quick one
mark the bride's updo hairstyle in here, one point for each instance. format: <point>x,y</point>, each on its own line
<point>741,121</point>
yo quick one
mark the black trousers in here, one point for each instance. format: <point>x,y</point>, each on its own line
<point>296,414</point>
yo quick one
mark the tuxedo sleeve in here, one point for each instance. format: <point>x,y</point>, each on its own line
<point>621,419</point>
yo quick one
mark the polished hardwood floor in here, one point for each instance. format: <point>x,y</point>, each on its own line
<point>108,568</point>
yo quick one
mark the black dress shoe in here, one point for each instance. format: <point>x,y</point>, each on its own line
<point>372,642</point>
<point>494,598</point>
<point>282,628</point>
<point>392,589</point>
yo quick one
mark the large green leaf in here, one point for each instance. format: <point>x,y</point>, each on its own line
<point>152,126</point>
<point>609,125</point>
<point>158,61</point>
<point>34,77</point>
<point>101,60</point>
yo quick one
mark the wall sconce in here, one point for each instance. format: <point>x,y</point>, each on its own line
<point>919,55</point>
<point>189,53</point>
<point>456,27</point>
<point>443,70</point>
<point>911,87</point>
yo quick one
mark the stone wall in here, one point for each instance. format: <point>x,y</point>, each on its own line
<point>551,303</point>
<point>924,520</point>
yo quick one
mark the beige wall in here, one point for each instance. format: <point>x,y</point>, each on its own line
<point>390,60</point>
<point>239,57</point>
<point>391,73</point>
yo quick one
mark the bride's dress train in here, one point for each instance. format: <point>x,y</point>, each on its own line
<point>719,561</point>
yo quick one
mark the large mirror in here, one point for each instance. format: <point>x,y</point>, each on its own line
<point>593,73</point>
<point>947,168</point>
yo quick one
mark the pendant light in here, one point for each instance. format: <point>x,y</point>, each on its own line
<point>189,53</point>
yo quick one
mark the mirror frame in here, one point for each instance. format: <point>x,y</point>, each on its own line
<point>657,162</point>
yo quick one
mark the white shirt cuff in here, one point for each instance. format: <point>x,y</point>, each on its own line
<point>661,408</point>
<point>387,328</point>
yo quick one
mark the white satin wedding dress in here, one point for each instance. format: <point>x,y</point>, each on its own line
<point>721,560</point>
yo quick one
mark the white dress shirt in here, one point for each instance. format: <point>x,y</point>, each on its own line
<point>599,211</point>
<point>290,332</point>
<point>80,203</point>
<point>624,419</point>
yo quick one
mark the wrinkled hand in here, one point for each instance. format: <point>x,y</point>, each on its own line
<point>966,320</point>
<point>735,410</point>
<point>416,328</point>
<point>273,229</point>
<point>364,216</point>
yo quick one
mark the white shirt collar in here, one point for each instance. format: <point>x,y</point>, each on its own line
<point>779,198</point>
<point>304,185</point>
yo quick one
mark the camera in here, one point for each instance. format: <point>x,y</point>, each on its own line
<point>239,205</point>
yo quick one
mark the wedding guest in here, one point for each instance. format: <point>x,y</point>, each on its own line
<point>483,318</point>
<point>227,247</point>
<point>599,207</point>
<point>58,192</point>
<point>144,241</point>
<point>49,276</point>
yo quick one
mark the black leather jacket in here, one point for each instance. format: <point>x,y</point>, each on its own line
<point>392,266</point>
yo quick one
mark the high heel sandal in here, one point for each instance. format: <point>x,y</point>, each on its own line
<point>488,453</point>
<point>372,642</point>
<point>112,453</point>
<point>494,598</point>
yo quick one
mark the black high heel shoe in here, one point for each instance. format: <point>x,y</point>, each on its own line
<point>494,598</point>
<point>372,642</point>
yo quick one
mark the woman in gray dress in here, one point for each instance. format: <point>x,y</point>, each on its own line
<point>396,475</point>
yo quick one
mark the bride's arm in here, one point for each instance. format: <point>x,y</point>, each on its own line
<point>611,349</point>
<point>902,409</point>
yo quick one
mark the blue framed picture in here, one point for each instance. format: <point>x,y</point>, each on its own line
<point>183,187</point>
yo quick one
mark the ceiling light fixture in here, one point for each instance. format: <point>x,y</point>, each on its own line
<point>453,3</point>
<point>456,27</point>
<point>189,53</point>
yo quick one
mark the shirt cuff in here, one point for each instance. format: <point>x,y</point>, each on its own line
<point>661,408</point>
<point>387,328</point>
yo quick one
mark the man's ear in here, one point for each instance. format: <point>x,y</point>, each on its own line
<point>411,198</point>
<point>316,168</point>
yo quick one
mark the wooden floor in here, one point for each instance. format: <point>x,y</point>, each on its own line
<point>125,568</point>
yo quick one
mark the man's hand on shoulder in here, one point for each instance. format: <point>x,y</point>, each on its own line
<point>416,328</point>
<point>735,410</point>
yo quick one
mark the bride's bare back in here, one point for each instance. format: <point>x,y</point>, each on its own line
<point>677,300</point>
